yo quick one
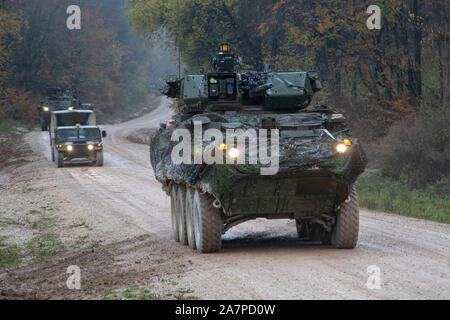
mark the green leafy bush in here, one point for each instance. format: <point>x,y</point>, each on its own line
<point>420,150</point>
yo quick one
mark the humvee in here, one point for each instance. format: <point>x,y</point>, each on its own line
<point>78,144</point>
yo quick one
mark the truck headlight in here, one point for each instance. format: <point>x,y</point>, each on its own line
<point>46,109</point>
<point>90,147</point>
<point>341,148</point>
<point>233,153</point>
<point>69,148</point>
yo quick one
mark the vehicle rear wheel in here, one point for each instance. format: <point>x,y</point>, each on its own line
<point>207,224</point>
<point>181,200</point>
<point>190,218</point>
<point>345,234</point>
<point>174,213</point>
<point>60,159</point>
<point>99,159</point>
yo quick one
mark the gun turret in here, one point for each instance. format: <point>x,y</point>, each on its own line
<point>225,89</point>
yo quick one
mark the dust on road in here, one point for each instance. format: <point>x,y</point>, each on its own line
<point>127,211</point>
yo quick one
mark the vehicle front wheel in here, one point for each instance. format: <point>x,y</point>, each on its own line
<point>207,224</point>
<point>181,205</point>
<point>345,234</point>
<point>174,213</point>
<point>190,218</point>
<point>60,159</point>
<point>99,159</point>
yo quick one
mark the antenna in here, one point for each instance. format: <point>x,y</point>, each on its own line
<point>179,63</point>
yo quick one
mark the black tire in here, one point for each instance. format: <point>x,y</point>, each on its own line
<point>53,153</point>
<point>207,224</point>
<point>99,159</point>
<point>345,234</point>
<point>308,231</point>
<point>43,125</point>
<point>190,218</point>
<point>174,213</point>
<point>302,231</point>
<point>181,205</point>
<point>60,159</point>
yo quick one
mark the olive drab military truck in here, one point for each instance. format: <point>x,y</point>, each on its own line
<point>69,118</point>
<point>78,144</point>
<point>314,159</point>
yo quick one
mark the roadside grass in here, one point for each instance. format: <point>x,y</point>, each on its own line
<point>44,245</point>
<point>9,221</point>
<point>138,293</point>
<point>10,255</point>
<point>379,193</point>
<point>45,241</point>
<point>8,126</point>
<point>11,151</point>
<point>131,293</point>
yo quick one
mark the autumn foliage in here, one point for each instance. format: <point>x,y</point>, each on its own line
<point>105,63</point>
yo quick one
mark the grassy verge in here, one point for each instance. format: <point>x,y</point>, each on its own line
<point>45,241</point>
<point>11,135</point>
<point>131,293</point>
<point>384,194</point>
<point>9,254</point>
<point>8,126</point>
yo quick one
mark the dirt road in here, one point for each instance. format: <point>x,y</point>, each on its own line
<point>126,209</point>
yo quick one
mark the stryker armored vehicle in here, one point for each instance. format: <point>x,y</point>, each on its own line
<point>57,99</point>
<point>216,180</point>
<point>45,106</point>
<point>78,144</point>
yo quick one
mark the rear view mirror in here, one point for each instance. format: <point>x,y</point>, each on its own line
<point>104,134</point>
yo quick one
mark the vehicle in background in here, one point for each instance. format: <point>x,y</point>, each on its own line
<point>78,144</point>
<point>45,106</point>
<point>70,118</point>
<point>57,100</point>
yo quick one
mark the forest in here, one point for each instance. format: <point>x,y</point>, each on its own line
<point>105,63</point>
<point>392,83</point>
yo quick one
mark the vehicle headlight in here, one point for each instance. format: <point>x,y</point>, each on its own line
<point>341,148</point>
<point>46,109</point>
<point>90,147</point>
<point>71,108</point>
<point>69,148</point>
<point>233,153</point>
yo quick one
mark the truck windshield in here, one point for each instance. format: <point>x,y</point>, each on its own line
<point>80,134</point>
<point>71,119</point>
<point>89,134</point>
<point>65,103</point>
